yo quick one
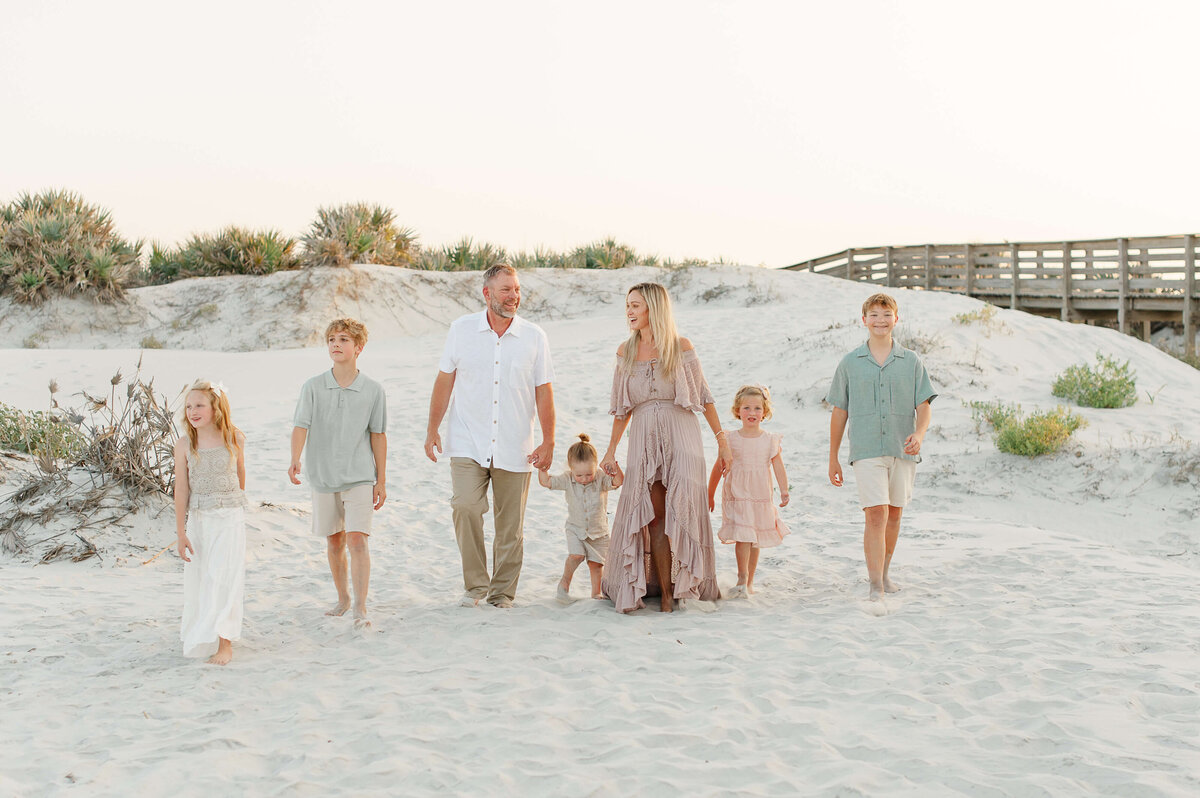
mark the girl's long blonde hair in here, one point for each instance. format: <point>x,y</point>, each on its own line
<point>662,328</point>
<point>222,419</point>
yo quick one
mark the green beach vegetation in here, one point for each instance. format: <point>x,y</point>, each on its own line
<point>55,244</point>
<point>1041,432</point>
<point>1110,384</point>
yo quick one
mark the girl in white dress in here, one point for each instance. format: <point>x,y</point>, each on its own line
<point>210,503</point>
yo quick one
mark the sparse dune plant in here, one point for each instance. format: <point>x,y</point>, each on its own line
<point>342,235</point>
<point>1110,384</point>
<point>54,243</point>
<point>234,250</point>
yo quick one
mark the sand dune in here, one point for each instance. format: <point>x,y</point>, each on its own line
<point>1044,641</point>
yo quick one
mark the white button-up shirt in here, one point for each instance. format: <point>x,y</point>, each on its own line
<point>494,400</point>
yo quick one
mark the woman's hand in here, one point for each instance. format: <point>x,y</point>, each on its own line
<point>724,454</point>
<point>184,545</point>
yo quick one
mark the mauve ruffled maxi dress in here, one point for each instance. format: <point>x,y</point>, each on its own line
<point>664,446</point>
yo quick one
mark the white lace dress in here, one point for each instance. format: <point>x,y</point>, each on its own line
<point>214,581</point>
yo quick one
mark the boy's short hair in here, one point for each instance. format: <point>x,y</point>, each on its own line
<point>883,300</point>
<point>352,327</point>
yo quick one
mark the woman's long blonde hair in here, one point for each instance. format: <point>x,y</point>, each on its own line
<point>222,419</point>
<point>662,327</point>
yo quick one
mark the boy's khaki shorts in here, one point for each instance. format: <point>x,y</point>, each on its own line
<point>346,511</point>
<point>884,480</point>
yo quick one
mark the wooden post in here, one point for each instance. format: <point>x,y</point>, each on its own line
<point>1014,257</point>
<point>1123,284</point>
<point>1189,289</point>
<point>1066,282</point>
<point>849,264</point>
<point>891,267</point>
<point>968,271</point>
<point>928,267</point>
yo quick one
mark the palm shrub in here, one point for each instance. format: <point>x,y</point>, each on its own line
<point>465,255</point>
<point>608,253</point>
<point>1110,384</point>
<point>342,235</point>
<point>234,250</point>
<point>55,243</point>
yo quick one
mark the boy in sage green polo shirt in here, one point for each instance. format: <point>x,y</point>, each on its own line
<point>884,392</point>
<point>342,418</point>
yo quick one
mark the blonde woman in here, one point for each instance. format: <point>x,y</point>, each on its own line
<point>662,541</point>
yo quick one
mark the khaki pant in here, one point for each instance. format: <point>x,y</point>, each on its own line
<point>469,481</point>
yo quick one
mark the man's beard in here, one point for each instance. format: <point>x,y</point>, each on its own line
<point>500,310</point>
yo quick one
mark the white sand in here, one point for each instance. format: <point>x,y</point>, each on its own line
<point>1044,642</point>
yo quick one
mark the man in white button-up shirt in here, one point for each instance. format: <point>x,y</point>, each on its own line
<point>500,365</point>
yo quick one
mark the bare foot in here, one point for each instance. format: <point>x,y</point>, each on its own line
<point>876,593</point>
<point>360,619</point>
<point>339,609</point>
<point>598,596</point>
<point>224,653</point>
<point>889,586</point>
<point>750,588</point>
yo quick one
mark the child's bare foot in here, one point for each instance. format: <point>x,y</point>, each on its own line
<point>668,603</point>
<point>598,596</point>
<point>889,586</point>
<point>738,592</point>
<point>360,618</point>
<point>224,653</point>
<point>876,593</point>
<point>339,609</point>
<point>563,594</point>
<point>750,588</point>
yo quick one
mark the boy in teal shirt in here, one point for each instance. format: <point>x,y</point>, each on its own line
<point>341,427</point>
<point>883,391</point>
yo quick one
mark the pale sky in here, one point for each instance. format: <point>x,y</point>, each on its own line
<point>759,132</point>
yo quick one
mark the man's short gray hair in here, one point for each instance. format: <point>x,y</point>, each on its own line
<point>495,270</point>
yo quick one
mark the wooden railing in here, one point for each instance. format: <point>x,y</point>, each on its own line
<point>1122,280</point>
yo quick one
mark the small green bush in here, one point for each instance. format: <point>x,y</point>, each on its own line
<point>53,243</point>
<point>358,233</point>
<point>608,253</point>
<point>1111,384</point>
<point>233,250</point>
<point>1040,433</point>
<point>35,432</point>
<point>150,342</point>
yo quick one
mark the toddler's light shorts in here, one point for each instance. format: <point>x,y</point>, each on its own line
<point>884,480</point>
<point>594,549</point>
<point>345,511</point>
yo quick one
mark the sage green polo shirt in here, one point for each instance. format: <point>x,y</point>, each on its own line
<point>882,400</point>
<point>337,452</point>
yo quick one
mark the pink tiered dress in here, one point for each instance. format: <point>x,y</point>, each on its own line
<point>748,511</point>
<point>664,446</point>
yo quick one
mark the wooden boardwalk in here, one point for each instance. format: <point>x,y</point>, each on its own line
<point>1119,281</point>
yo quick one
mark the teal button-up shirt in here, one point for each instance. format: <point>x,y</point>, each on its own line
<point>881,401</point>
<point>337,452</point>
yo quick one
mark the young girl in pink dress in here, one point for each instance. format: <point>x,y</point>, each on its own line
<point>749,518</point>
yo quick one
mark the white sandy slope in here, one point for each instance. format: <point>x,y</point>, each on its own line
<point>1044,642</point>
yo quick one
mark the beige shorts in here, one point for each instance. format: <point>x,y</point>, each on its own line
<point>884,480</point>
<point>594,549</point>
<point>345,511</point>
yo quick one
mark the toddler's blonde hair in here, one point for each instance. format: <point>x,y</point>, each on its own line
<point>583,452</point>
<point>753,390</point>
